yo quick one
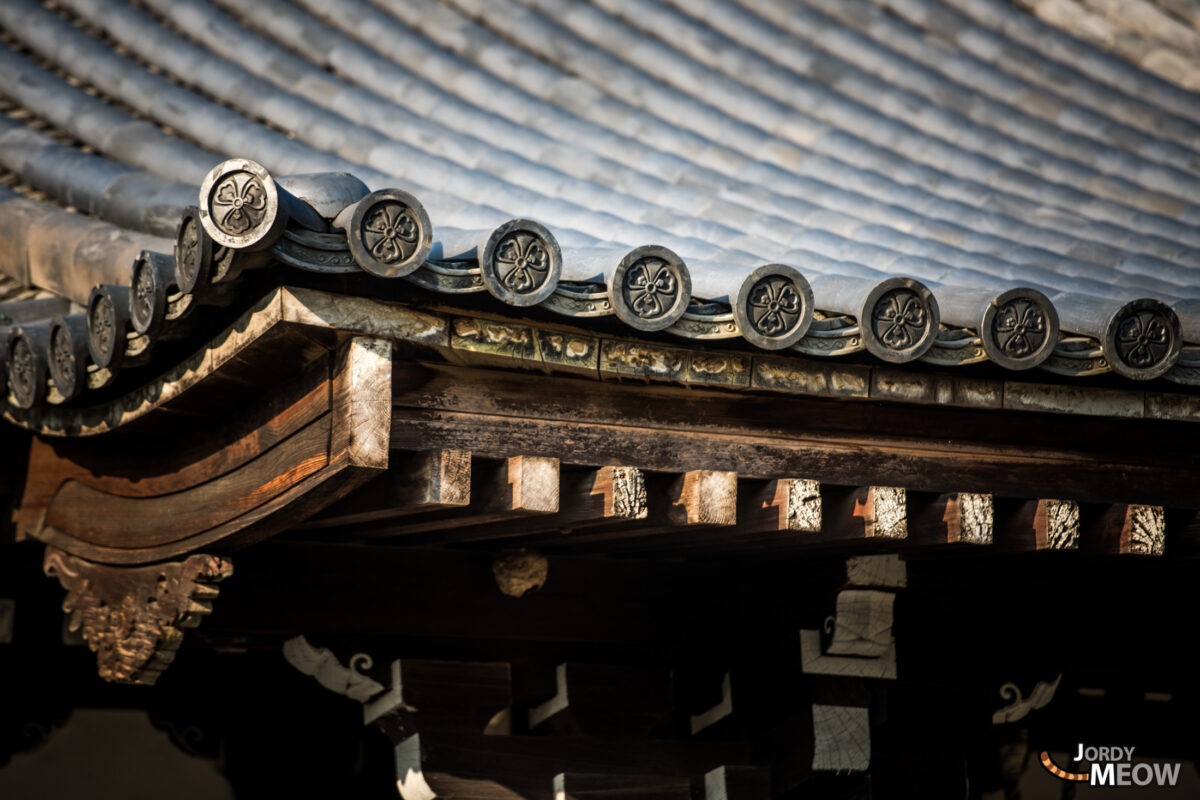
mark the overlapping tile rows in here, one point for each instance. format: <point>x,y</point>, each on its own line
<point>943,181</point>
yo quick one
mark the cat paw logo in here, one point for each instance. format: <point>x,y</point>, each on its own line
<point>1113,766</point>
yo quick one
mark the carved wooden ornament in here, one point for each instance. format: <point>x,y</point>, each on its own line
<point>133,617</point>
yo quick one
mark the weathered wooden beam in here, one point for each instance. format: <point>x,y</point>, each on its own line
<point>696,500</point>
<point>586,498</point>
<point>1126,529</point>
<point>787,509</point>
<point>423,481</point>
<point>516,487</point>
<point>669,429</point>
<point>954,518</point>
<point>1038,525</point>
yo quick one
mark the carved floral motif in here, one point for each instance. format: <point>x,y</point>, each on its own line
<point>1019,328</point>
<point>775,306</point>
<point>64,357</point>
<point>522,262</point>
<point>900,319</point>
<point>390,232</point>
<point>132,617</point>
<point>239,203</point>
<point>21,370</point>
<point>1143,338</point>
<point>101,324</point>
<point>189,248</point>
<point>143,293</point>
<point>651,288</point>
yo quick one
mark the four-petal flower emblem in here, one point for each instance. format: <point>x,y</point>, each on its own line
<point>651,288</point>
<point>774,302</point>
<point>1020,327</point>
<point>239,203</point>
<point>900,319</point>
<point>522,262</point>
<point>1143,339</point>
<point>390,232</point>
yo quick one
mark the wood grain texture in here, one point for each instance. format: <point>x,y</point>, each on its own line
<point>787,508</point>
<point>786,504</point>
<point>868,512</point>
<point>1125,530</point>
<point>423,481</point>
<point>704,497</point>
<point>515,487</point>
<point>1039,525</point>
<point>953,518</point>
<point>362,402</point>
<point>587,498</point>
<point>324,431</point>
<point>656,427</point>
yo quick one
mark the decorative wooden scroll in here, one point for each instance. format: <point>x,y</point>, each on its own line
<point>133,617</point>
<point>236,478</point>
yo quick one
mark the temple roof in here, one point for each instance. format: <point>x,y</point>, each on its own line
<point>943,182</point>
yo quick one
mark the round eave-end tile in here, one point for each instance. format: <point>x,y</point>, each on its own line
<point>650,288</point>
<point>1019,328</point>
<point>521,262</point>
<point>26,372</point>
<point>390,233</point>
<point>106,334</point>
<point>239,205</point>
<point>899,320</point>
<point>193,251</point>
<point>66,366</point>
<point>147,305</point>
<point>774,307</point>
<point>1143,339</point>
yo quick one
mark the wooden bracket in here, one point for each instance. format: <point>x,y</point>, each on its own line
<point>133,617</point>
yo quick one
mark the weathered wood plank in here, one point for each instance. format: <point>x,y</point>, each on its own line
<point>661,428</point>
<point>787,508</point>
<point>422,481</point>
<point>587,498</point>
<point>517,486</point>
